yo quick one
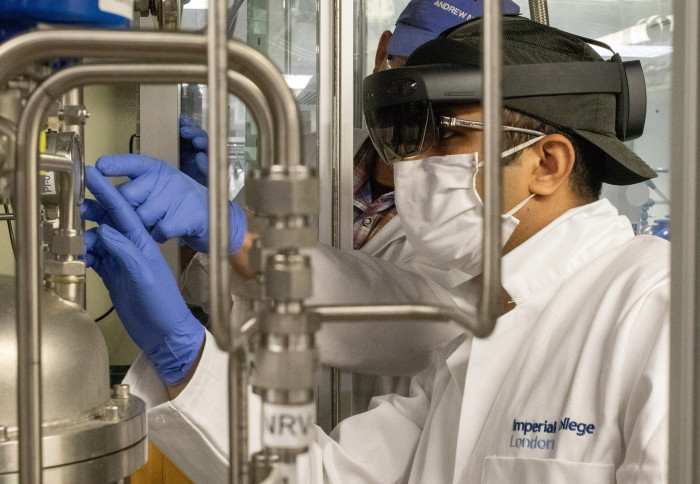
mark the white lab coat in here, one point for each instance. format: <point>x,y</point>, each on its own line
<point>394,349</point>
<point>586,348</point>
<point>354,277</point>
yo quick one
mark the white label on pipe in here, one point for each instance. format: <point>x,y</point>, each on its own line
<point>288,426</point>
<point>123,8</point>
<point>48,184</point>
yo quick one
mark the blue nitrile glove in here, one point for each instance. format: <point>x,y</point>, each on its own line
<point>168,202</point>
<point>194,150</point>
<point>141,285</point>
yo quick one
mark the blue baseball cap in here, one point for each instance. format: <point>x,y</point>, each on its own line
<point>423,20</point>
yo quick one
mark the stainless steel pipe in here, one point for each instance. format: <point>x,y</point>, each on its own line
<point>28,254</point>
<point>392,312</point>
<point>684,411</point>
<point>219,223</point>
<point>20,52</point>
<point>489,305</point>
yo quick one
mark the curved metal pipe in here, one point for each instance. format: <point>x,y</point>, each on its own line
<point>24,50</point>
<point>28,253</point>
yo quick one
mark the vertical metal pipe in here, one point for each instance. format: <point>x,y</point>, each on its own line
<point>684,413</point>
<point>74,97</point>
<point>539,11</point>
<point>336,190</point>
<point>218,206</point>
<point>238,415</point>
<point>28,273</point>
<point>242,415</point>
<point>362,48</point>
<point>493,202</point>
<point>288,36</point>
<point>335,396</point>
<point>341,149</point>
<point>335,125</point>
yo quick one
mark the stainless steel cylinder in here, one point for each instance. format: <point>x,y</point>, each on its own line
<point>88,433</point>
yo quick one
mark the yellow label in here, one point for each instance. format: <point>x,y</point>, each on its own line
<point>42,142</point>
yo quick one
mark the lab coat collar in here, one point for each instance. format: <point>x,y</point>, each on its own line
<point>543,261</point>
<point>393,230</point>
<point>562,247</point>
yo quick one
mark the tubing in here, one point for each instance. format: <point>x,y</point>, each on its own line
<point>388,312</point>
<point>20,52</point>
<point>28,254</point>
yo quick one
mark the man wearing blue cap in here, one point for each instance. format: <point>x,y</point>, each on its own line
<point>419,22</point>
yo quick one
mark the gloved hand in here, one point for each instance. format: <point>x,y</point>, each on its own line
<point>168,202</point>
<point>194,150</point>
<point>141,285</point>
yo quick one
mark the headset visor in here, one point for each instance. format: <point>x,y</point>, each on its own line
<point>403,130</point>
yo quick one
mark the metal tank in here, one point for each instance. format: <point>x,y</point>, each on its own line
<point>91,433</point>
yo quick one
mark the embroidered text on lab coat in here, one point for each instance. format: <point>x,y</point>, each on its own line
<point>536,442</point>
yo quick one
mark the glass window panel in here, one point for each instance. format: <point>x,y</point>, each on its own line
<point>637,29</point>
<point>373,18</point>
<point>285,32</point>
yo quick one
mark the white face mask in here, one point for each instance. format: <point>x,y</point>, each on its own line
<point>442,212</point>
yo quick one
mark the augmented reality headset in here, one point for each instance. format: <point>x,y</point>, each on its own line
<point>399,103</point>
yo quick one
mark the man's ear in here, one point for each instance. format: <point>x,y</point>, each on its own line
<point>552,159</point>
<point>380,56</point>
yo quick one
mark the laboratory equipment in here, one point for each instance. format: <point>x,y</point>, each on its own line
<point>55,392</point>
<point>282,325</point>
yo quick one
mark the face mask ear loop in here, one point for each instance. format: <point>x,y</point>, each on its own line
<point>506,153</point>
<point>509,152</point>
<point>517,207</point>
<point>478,165</point>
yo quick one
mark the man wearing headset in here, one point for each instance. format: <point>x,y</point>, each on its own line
<point>572,386</point>
<point>377,231</point>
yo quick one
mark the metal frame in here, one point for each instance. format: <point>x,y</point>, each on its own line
<point>336,89</point>
<point>684,411</point>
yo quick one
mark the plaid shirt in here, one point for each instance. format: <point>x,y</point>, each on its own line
<point>369,216</point>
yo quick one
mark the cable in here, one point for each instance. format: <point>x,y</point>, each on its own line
<point>131,142</point>
<point>105,315</point>
<point>11,231</point>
